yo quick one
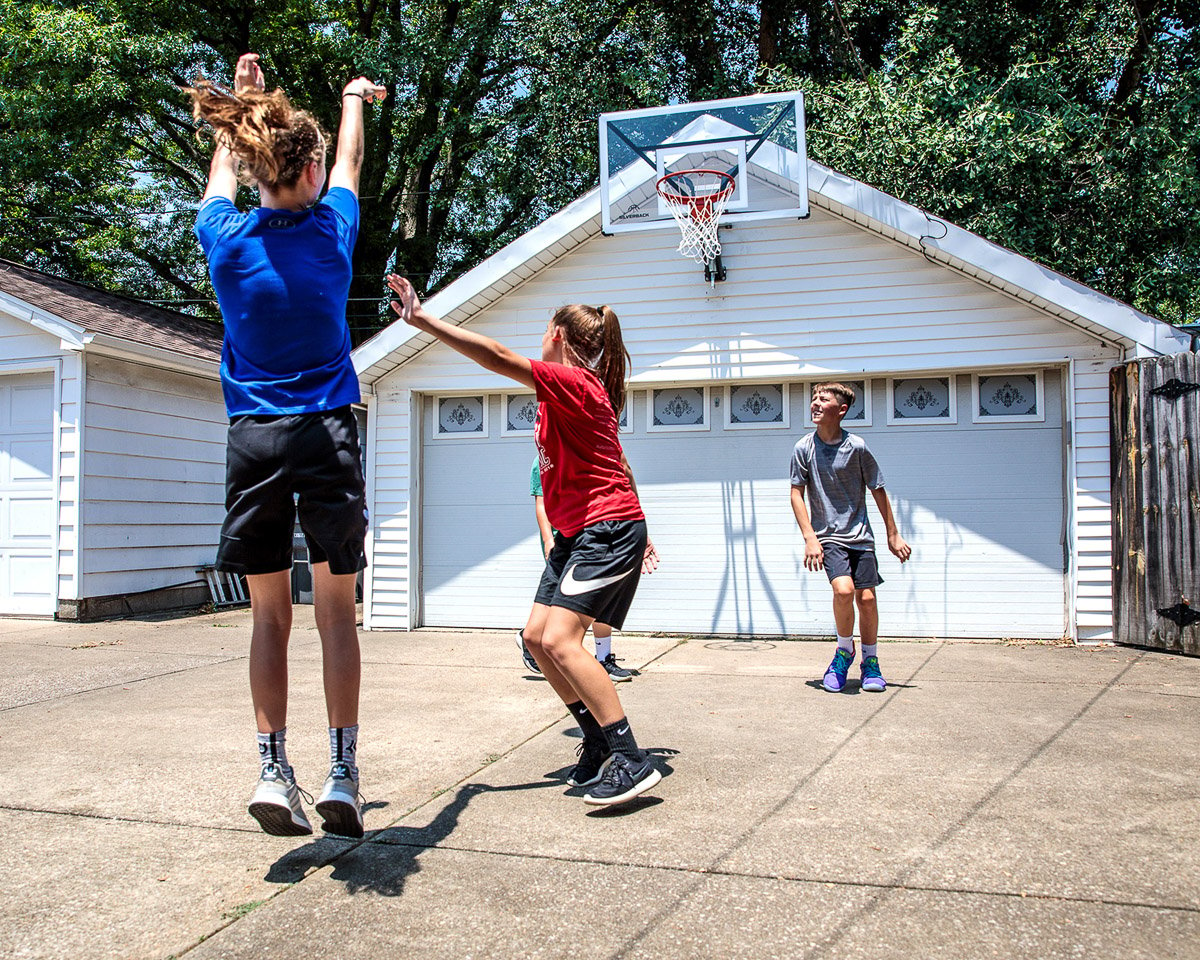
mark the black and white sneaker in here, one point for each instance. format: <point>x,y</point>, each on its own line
<point>623,780</point>
<point>615,673</point>
<point>530,664</point>
<point>593,761</point>
<point>338,806</point>
<point>276,804</point>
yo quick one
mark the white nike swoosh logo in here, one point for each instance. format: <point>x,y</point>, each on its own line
<point>622,731</point>
<point>572,587</point>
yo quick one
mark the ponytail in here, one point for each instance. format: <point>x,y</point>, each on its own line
<point>273,140</point>
<point>614,362</point>
<point>593,336</point>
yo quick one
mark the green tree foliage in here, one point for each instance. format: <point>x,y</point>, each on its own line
<point>1070,134</point>
<point>490,125</point>
<point>1067,132</point>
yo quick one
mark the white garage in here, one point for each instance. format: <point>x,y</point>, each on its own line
<point>112,450</point>
<point>984,379</point>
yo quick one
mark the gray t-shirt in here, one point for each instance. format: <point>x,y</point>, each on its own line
<point>836,476</point>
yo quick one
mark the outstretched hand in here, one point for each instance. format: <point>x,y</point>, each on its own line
<point>248,75</point>
<point>409,303</point>
<point>367,89</point>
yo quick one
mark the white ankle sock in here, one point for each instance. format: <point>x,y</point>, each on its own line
<point>869,650</point>
<point>846,643</point>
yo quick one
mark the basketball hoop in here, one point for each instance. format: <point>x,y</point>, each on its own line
<point>697,198</point>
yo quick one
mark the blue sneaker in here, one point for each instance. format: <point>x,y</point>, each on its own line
<point>835,676</point>
<point>872,679</point>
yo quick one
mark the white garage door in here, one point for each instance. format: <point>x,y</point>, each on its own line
<point>977,490</point>
<point>27,494</point>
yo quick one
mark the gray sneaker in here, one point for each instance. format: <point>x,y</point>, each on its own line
<point>624,778</point>
<point>616,673</point>
<point>339,806</point>
<point>276,804</point>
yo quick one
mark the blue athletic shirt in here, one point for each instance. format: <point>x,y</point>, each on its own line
<point>282,281</point>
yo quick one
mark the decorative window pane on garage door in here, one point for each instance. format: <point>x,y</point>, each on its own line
<point>678,408</point>
<point>922,400</point>
<point>461,417</point>
<point>860,409</point>
<point>756,405</point>
<point>520,412</point>
<point>1008,396</point>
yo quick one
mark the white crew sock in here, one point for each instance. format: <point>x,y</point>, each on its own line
<point>343,746</point>
<point>272,748</point>
<point>846,643</point>
<point>869,650</point>
<point>603,645</point>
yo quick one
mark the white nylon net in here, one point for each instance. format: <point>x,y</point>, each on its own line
<point>699,217</point>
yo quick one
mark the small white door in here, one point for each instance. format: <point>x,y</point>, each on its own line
<point>27,580</point>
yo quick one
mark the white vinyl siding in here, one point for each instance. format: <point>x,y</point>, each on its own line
<point>153,491</point>
<point>391,486</point>
<point>1092,496</point>
<point>818,299</point>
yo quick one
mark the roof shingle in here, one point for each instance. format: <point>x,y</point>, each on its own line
<point>98,311</point>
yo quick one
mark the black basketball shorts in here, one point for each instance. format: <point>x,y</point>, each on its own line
<point>278,466</point>
<point>596,572</point>
<point>858,563</point>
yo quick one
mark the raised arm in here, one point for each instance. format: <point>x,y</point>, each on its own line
<point>347,165</point>
<point>488,353</point>
<point>222,172</point>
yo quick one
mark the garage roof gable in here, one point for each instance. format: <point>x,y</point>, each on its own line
<point>938,240</point>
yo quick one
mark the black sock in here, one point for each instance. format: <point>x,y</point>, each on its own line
<point>620,739</point>
<point>587,723</point>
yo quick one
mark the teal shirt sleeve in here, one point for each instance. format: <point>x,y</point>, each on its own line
<point>535,480</point>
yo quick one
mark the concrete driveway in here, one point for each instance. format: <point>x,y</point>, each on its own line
<point>997,801</point>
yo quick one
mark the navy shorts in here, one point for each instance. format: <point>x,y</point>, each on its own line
<point>595,572</point>
<point>278,466</point>
<point>859,564</point>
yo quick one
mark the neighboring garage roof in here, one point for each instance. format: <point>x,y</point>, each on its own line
<point>940,241</point>
<point>84,315</point>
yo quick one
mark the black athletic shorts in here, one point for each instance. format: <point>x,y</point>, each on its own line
<point>278,465</point>
<point>860,564</point>
<point>595,572</point>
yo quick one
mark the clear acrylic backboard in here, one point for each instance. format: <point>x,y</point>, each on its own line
<point>757,140</point>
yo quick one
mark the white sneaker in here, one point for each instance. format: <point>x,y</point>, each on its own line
<point>339,802</point>
<point>276,804</point>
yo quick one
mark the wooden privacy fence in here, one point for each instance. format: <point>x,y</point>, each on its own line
<point>1155,435</point>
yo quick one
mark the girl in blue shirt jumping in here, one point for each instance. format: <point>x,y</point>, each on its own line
<point>282,277</point>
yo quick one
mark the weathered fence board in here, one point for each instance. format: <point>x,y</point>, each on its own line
<point>1155,434</point>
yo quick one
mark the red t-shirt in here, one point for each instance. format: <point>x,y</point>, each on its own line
<point>578,451</point>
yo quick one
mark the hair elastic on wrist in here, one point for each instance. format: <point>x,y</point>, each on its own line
<point>361,96</point>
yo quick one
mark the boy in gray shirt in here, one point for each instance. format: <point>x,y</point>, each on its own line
<point>837,469</point>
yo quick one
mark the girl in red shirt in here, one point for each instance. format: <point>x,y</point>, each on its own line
<point>601,548</point>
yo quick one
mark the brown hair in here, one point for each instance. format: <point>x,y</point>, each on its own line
<point>593,336</point>
<point>840,390</point>
<point>273,140</point>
